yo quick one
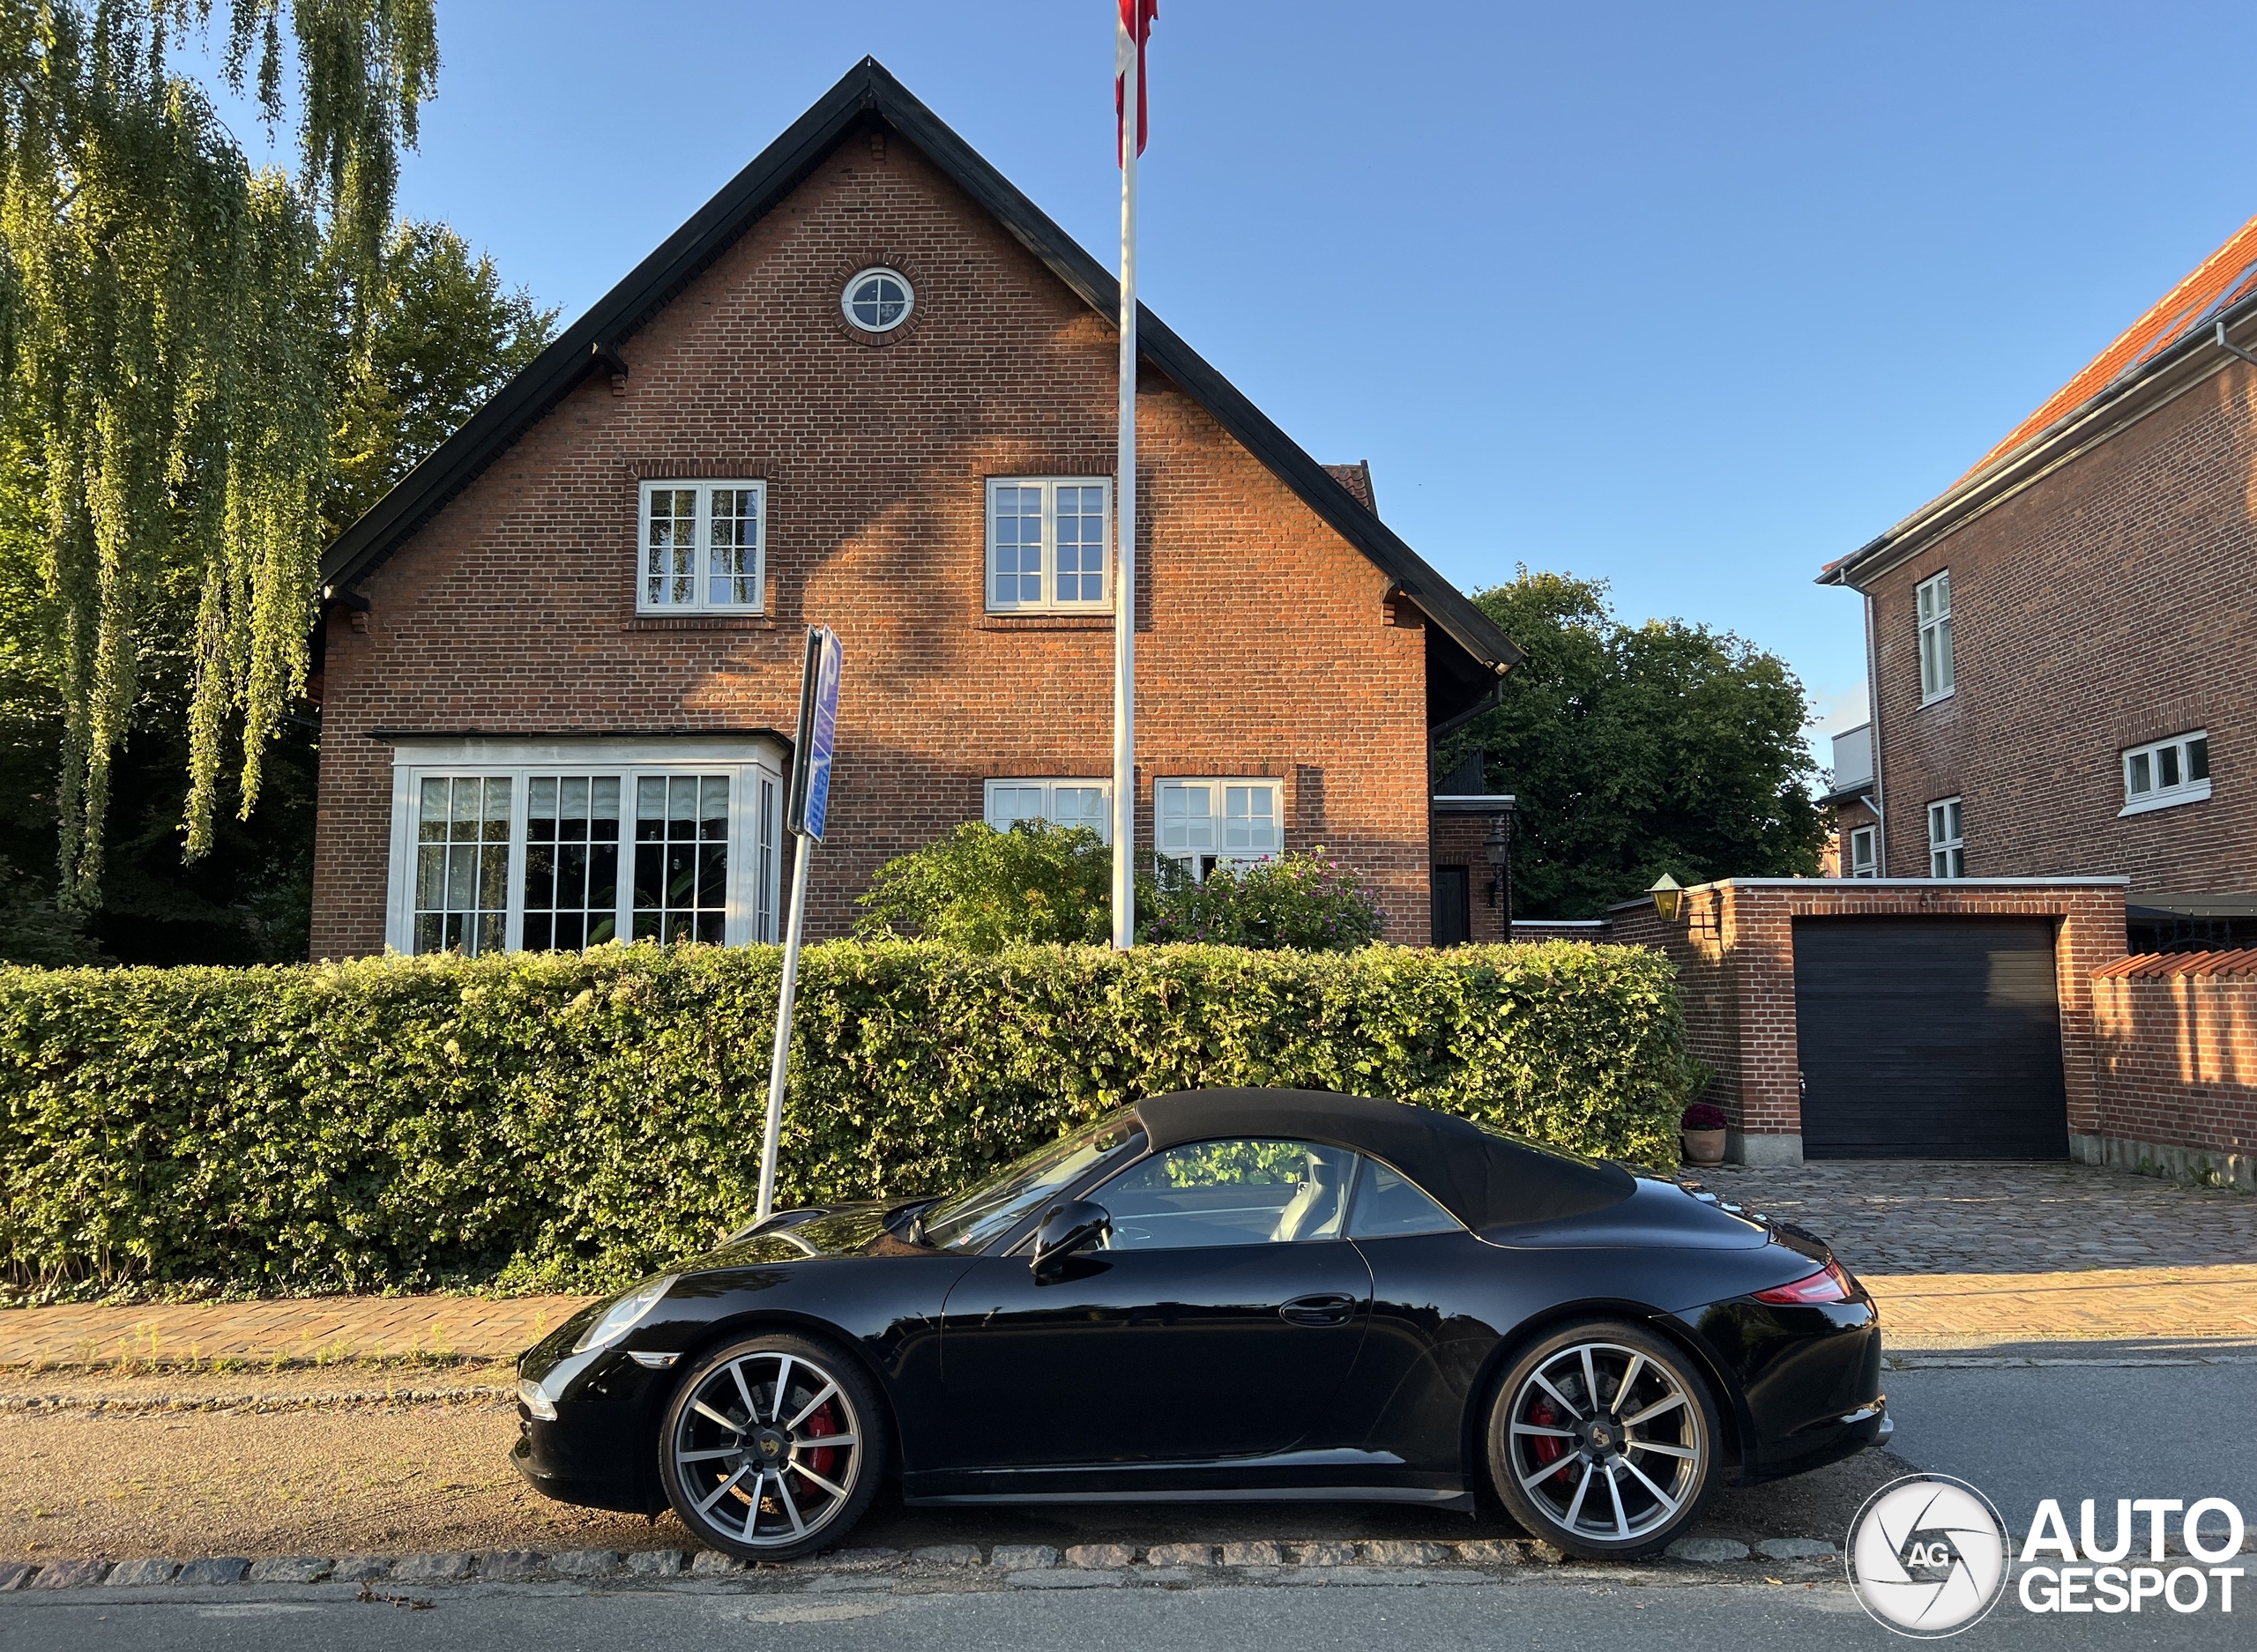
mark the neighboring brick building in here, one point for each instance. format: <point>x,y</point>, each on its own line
<point>869,385</point>
<point>2060,647</point>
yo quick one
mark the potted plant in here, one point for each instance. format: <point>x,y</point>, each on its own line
<point>1703,1131</point>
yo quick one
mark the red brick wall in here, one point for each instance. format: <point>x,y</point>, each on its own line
<point>2178,1051</point>
<point>1265,645</point>
<point>1734,952</point>
<point>2108,604</point>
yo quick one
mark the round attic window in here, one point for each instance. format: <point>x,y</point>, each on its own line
<point>878,299</point>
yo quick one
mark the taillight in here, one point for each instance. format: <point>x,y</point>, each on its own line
<point>1829,1283</point>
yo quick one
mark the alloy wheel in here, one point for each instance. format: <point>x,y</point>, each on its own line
<point>1606,1443</point>
<point>768,1449</point>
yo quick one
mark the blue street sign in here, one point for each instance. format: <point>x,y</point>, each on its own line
<point>818,730</point>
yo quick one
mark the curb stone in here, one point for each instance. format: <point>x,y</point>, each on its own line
<point>1025,1556</point>
<point>1252,1554</point>
<point>1100,1556</point>
<point>1326,1553</point>
<point>1796,1548</point>
<point>430,1568</point>
<point>655,1563</point>
<point>713,1563</point>
<point>946,1554</point>
<point>70,1574</point>
<point>1398,1552</point>
<point>1181,1554</point>
<point>1707,1551</point>
<point>297,1568</point>
<point>217,1569</point>
<point>140,1573</point>
<point>361,1568</point>
<point>13,1576</point>
<point>508,1566</point>
<point>585,1562</point>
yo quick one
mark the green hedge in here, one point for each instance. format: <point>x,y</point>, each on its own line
<point>561,1121</point>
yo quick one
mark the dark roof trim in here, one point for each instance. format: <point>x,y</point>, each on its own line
<point>399,736</point>
<point>867,88</point>
<point>2184,364</point>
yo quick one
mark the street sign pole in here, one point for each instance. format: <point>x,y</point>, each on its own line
<point>804,817</point>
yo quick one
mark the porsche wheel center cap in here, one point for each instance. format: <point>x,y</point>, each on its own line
<point>770,1445</point>
<point>1603,1436</point>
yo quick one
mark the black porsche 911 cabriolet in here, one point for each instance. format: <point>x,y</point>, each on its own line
<point>1223,1294</point>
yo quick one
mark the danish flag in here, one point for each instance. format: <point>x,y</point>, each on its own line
<point>1136,29</point>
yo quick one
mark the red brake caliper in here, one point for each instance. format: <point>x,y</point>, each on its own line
<point>822,1423</point>
<point>1545,1447</point>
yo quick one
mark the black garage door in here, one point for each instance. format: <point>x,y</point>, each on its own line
<point>1929,1037</point>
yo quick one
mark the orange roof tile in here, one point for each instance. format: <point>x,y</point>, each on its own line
<point>2151,965</point>
<point>2228,274</point>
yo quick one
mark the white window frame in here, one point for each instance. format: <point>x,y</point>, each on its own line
<point>1050,787</point>
<point>2187,751</point>
<point>1947,838</point>
<point>701,586</point>
<point>755,770</point>
<point>1048,603</point>
<point>1932,611</point>
<point>847,299</point>
<point>1200,860</point>
<point>1868,839</point>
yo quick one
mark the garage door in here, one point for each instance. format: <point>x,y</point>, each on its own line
<point>1929,1038</point>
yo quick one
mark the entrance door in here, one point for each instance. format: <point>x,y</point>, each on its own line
<point>1220,1324</point>
<point>1929,1037</point>
<point>1453,906</point>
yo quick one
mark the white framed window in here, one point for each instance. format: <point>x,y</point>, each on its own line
<point>1061,802</point>
<point>2166,772</point>
<point>1933,598</point>
<point>1865,852</point>
<point>1946,841</point>
<point>704,547</point>
<point>507,845</point>
<point>1048,544</point>
<point>1225,822</point>
<point>877,299</point>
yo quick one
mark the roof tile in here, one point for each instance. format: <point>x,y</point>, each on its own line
<point>2156,965</point>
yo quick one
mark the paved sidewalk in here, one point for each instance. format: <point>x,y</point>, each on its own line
<point>1983,1255</point>
<point>1958,1254</point>
<point>298,1330</point>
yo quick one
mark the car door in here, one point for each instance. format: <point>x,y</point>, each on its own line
<point>1218,1322</point>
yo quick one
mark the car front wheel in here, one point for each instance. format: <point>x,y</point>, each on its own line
<point>1602,1439</point>
<point>772,1447</point>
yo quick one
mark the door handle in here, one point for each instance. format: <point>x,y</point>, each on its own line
<point>1323,1310</point>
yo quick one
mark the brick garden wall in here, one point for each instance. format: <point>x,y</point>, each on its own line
<point>1266,644</point>
<point>1734,952</point>
<point>2177,1064</point>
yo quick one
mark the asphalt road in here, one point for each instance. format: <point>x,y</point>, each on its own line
<point>2020,1433</point>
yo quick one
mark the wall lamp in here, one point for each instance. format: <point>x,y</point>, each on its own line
<point>1669,897</point>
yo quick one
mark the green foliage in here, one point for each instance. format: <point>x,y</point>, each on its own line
<point>1637,750</point>
<point>166,324</point>
<point>1305,902</point>
<point>565,1121</point>
<point>982,890</point>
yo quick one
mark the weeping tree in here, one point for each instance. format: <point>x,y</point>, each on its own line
<point>169,320</point>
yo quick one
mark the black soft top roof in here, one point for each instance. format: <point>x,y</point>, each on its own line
<point>1483,1181</point>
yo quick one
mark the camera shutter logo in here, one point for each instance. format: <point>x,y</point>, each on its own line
<point>1927,1556</point>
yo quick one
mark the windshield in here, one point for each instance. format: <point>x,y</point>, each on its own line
<point>970,1221</point>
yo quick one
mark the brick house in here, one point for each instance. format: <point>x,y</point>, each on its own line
<point>2059,647</point>
<point>869,384</point>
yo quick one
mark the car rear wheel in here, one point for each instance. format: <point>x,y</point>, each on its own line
<point>1602,1439</point>
<point>772,1447</point>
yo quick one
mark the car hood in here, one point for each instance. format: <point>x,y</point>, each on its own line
<point>796,1236</point>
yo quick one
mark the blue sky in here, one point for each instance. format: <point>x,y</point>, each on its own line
<point>1689,298</point>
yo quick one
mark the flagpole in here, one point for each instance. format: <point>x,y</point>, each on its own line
<point>1124,536</point>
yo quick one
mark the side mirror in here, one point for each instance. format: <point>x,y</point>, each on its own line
<point>1076,1226</point>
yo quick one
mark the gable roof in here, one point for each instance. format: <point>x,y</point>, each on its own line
<point>1479,651</point>
<point>2171,346</point>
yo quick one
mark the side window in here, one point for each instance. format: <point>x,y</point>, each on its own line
<point>1229,1193</point>
<point>1387,1205</point>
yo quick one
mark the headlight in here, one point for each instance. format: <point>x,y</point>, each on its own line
<point>625,1313</point>
<point>535,1401</point>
